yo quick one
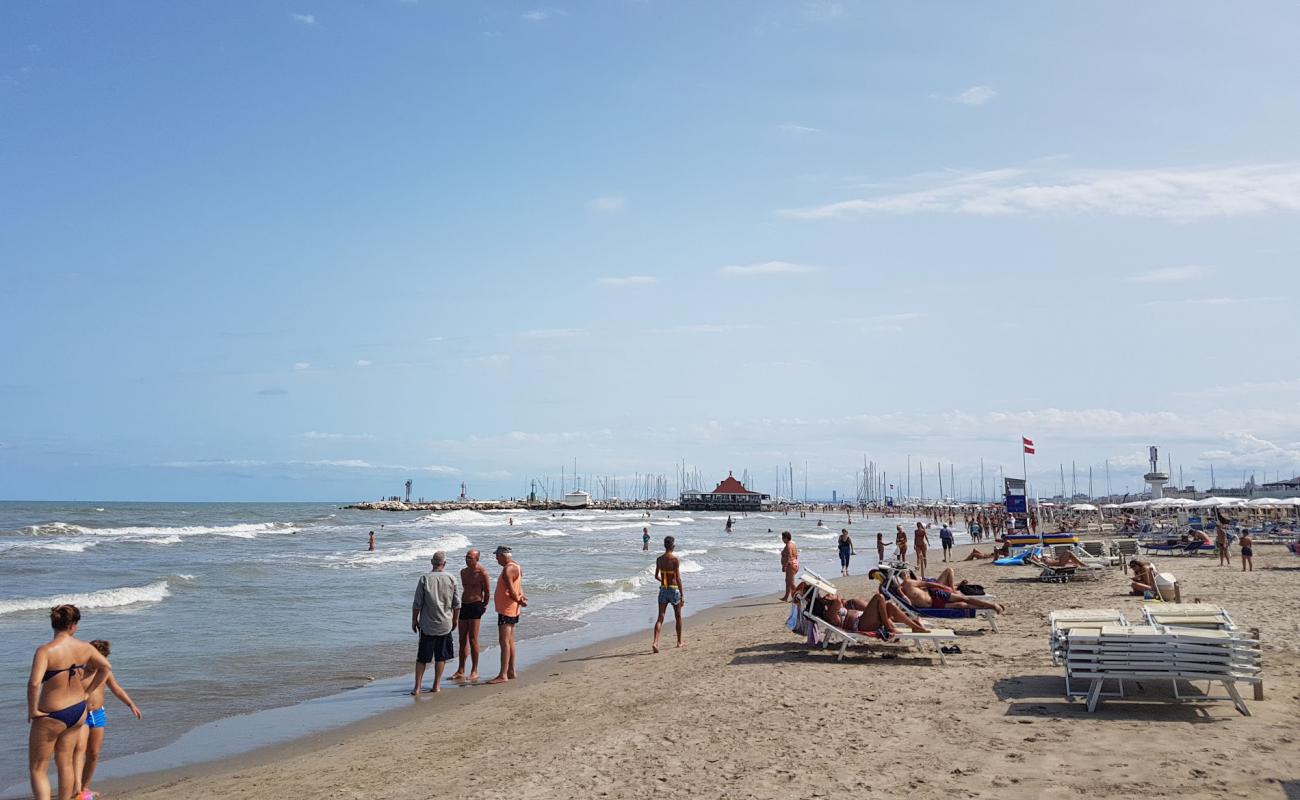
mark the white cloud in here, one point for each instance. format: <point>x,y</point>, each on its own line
<point>1178,194</point>
<point>553,333</point>
<point>626,282</point>
<point>361,362</point>
<point>339,463</point>
<point>1168,275</point>
<point>976,96</point>
<point>305,19</point>
<point>609,204</point>
<point>493,475</point>
<point>322,435</point>
<point>1214,301</point>
<point>301,365</point>
<point>540,14</point>
<point>790,127</point>
<point>766,268</point>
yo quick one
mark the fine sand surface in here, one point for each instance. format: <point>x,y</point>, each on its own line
<point>746,710</point>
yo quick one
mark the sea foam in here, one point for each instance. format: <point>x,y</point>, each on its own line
<point>104,598</point>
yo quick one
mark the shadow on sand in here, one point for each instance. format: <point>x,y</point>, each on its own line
<point>1044,696</point>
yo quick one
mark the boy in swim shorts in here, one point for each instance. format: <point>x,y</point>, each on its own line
<point>86,755</point>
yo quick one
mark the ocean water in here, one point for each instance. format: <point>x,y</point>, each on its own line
<point>218,611</point>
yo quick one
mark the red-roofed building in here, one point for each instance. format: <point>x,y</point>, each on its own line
<point>731,495</point>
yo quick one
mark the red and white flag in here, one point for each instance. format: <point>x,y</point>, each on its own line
<point>1028,445</point>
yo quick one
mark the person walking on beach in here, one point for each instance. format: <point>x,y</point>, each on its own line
<point>1221,544</point>
<point>645,539</point>
<point>57,695</point>
<point>92,733</point>
<point>475,585</point>
<point>880,547</point>
<point>372,542</point>
<point>789,564</point>
<point>922,544</point>
<point>509,600</point>
<point>668,571</point>
<point>945,539</point>
<point>845,547</point>
<point>1247,551</point>
<point>434,615</point>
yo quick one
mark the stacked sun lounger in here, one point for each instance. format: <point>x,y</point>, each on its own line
<point>831,635</point>
<point>1157,653</point>
<point>1188,615</point>
<point>1062,622</point>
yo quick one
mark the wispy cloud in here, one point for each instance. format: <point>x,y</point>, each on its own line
<point>1178,194</point>
<point>766,268</point>
<point>609,204</point>
<point>626,281</point>
<point>272,391</point>
<point>976,96</point>
<point>1213,301</point>
<point>541,14</point>
<point>336,437</point>
<point>1168,275</point>
<point>491,360</point>
<point>790,127</point>
<point>305,19</point>
<point>553,333</point>
<point>1246,387</point>
<point>361,362</point>
<point>707,328</point>
<point>301,365</point>
<point>331,463</point>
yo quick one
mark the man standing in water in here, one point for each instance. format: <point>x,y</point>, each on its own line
<point>434,615</point>
<point>645,539</point>
<point>509,600</point>
<point>668,571</point>
<point>475,586</point>
<point>372,541</point>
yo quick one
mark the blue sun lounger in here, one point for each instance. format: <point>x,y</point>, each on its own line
<point>888,578</point>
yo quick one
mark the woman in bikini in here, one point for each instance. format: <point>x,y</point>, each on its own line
<point>877,615</point>
<point>56,701</point>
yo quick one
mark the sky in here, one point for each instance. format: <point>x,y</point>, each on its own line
<point>306,250</point>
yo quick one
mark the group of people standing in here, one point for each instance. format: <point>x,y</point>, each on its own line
<point>444,605</point>
<point>65,707</point>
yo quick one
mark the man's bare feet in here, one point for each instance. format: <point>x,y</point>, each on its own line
<point>435,690</point>
<point>473,676</point>
<point>680,643</point>
<point>497,679</point>
<point>415,692</point>
<point>511,675</point>
<point>459,676</point>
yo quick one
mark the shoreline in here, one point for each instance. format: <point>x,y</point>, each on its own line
<point>746,709</point>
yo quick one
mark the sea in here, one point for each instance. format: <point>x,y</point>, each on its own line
<point>235,626</point>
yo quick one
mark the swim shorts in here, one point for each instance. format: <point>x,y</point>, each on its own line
<point>473,610</point>
<point>939,598</point>
<point>502,619</point>
<point>669,596</point>
<point>435,648</point>
<point>96,718</point>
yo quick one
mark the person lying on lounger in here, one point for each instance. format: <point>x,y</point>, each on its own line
<point>977,554</point>
<point>936,595</point>
<point>1065,561</point>
<point>877,615</point>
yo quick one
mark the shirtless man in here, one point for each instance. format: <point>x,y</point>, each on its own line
<point>789,564</point>
<point>900,541</point>
<point>1144,577</point>
<point>474,585</point>
<point>509,600</point>
<point>86,755</point>
<point>668,571</point>
<point>933,595</point>
<point>921,542</point>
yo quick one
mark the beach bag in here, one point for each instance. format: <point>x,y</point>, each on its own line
<point>971,589</point>
<point>814,635</point>
<point>795,618</point>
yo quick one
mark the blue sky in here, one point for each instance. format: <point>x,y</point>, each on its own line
<point>305,250</point>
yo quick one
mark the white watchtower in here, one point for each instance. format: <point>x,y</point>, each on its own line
<point>1156,479</point>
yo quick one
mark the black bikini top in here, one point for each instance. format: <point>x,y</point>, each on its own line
<point>50,673</point>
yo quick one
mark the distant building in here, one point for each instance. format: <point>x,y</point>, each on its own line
<point>1291,485</point>
<point>731,495</point>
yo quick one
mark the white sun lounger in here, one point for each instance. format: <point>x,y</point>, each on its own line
<point>1062,622</point>
<point>832,635</point>
<point>1157,653</point>
<point>1188,615</point>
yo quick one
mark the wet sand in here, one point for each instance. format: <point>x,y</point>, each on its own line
<point>747,710</point>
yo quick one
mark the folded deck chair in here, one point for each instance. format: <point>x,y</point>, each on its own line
<point>888,585</point>
<point>1060,624</point>
<point>832,635</point>
<point>1126,550</point>
<point>1152,653</point>
<point>1188,615</point>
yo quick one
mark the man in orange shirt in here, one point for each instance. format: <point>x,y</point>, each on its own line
<point>509,600</point>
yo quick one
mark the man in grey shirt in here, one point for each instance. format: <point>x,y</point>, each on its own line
<point>434,616</point>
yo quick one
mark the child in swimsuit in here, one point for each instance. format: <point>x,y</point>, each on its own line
<point>86,755</point>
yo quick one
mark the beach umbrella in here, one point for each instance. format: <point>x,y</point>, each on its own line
<point>1083,507</point>
<point>1111,505</point>
<point>1266,502</point>
<point>1211,502</point>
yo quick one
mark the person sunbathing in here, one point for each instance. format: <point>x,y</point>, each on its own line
<point>1066,560</point>
<point>935,595</point>
<point>877,615</point>
<point>977,554</point>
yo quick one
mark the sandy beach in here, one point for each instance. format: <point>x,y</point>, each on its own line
<point>747,710</point>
